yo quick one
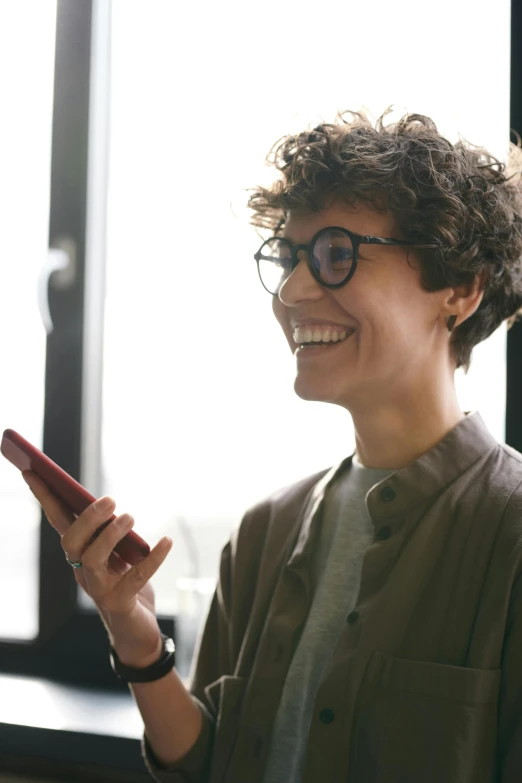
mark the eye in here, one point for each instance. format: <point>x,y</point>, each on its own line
<point>340,255</point>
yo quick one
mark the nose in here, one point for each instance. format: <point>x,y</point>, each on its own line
<point>300,284</point>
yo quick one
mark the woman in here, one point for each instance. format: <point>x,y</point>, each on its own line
<point>367,622</point>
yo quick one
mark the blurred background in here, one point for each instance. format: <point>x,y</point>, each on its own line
<point>139,348</point>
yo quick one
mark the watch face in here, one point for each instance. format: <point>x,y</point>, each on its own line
<point>170,646</point>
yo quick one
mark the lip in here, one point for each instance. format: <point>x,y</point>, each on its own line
<point>316,321</point>
<point>313,321</point>
<point>304,354</point>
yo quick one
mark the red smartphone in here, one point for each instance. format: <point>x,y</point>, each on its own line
<point>25,456</point>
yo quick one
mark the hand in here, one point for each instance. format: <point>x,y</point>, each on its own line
<point>121,593</point>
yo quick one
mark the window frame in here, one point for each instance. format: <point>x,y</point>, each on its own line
<point>72,646</point>
<point>514,335</point>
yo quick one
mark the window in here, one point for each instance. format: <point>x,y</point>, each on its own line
<point>25,162</point>
<point>166,376</point>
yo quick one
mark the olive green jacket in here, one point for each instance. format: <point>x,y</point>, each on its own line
<point>425,684</point>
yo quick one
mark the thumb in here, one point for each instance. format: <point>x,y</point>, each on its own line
<point>139,574</point>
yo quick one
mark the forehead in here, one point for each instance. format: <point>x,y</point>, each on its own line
<point>301,226</point>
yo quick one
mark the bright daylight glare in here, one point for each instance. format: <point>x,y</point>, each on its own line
<point>200,420</point>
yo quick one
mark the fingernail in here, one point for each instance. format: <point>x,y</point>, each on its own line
<point>103,504</point>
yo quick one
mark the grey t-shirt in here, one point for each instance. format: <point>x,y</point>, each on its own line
<point>346,533</point>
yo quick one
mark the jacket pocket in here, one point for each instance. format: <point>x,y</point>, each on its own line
<point>422,721</point>
<point>224,697</point>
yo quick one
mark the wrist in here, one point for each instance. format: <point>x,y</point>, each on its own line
<point>150,672</point>
<point>139,660</point>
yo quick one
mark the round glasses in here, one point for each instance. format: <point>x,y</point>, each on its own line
<point>331,255</point>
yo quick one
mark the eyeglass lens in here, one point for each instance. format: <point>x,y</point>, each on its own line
<point>332,259</point>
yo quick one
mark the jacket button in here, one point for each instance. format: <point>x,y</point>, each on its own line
<point>352,617</point>
<point>388,493</point>
<point>384,533</point>
<point>326,716</point>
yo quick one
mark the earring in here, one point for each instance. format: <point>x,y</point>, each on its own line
<point>450,322</point>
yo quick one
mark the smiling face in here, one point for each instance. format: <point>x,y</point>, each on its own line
<point>399,349</point>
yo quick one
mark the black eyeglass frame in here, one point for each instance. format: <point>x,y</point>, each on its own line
<point>356,239</point>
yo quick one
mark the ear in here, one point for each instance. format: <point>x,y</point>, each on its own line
<point>467,297</point>
<point>479,288</point>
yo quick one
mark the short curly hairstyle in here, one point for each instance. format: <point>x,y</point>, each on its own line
<point>456,196</point>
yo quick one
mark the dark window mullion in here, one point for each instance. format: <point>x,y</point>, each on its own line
<point>63,372</point>
<point>63,377</point>
<point>514,335</point>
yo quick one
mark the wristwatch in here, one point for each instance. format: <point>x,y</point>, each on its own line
<point>153,672</point>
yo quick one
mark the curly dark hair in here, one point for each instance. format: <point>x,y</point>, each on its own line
<point>454,195</point>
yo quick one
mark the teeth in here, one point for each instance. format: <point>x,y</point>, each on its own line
<point>319,334</point>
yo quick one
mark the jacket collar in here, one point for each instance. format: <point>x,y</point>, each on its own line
<point>467,443</point>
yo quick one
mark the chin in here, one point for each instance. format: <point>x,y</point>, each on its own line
<point>314,392</point>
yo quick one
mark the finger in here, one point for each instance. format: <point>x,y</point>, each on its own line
<point>79,535</point>
<point>58,514</point>
<point>96,556</point>
<point>141,572</point>
<point>117,565</point>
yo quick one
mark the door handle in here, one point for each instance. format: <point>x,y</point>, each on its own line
<point>59,270</point>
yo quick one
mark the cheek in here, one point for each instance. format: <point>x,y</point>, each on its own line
<point>278,310</point>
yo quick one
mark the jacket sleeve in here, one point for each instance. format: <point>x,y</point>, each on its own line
<point>510,698</point>
<point>210,662</point>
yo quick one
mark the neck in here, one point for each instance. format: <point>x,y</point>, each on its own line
<point>392,438</point>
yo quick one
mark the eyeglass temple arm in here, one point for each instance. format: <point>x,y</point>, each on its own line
<point>367,240</point>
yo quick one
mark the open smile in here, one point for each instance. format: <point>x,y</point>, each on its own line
<point>310,350</point>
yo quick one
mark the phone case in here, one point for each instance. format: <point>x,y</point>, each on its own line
<point>132,548</point>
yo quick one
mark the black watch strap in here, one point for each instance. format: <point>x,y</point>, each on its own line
<point>153,672</point>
